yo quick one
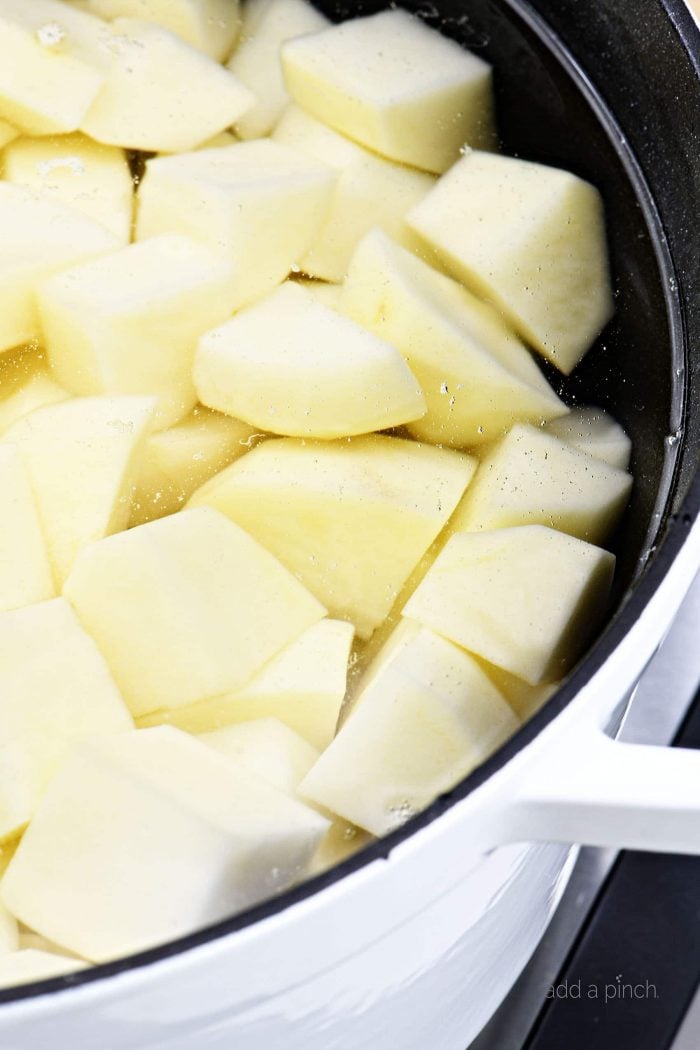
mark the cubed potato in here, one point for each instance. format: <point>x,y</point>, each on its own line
<point>358,515</point>
<point>30,939</point>
<point>176,462</point>
<point>290,365</point>
<point>266,748</point>
<point>128,323</point>
<point>530,239</point>
<point>525,699</point>
<point>169,836</point>
<point>256,61</point>
<point>395,85</point>
<point>25,572</point>
<point>8,133</point>
<point>594,431</point>
<point>39,236</point>
<point>209,25</point>
<point>91,178</point>
<point>39,390</point>
<point>303,686</point>
<point>55,689</point>
<point>186,608</point>
<point>29,965</point>
<point>81,457</point>
<point>527,599</point>
<point>323,292</point>
<point>477,377</point>
<point>370,191</point>
<point>159,93</point>
<point>258,203</point>
<point>340,842</point>
<point>423,722</point>
<point>531,477</point>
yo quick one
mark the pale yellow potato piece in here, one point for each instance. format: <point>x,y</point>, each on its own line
<point>477,377</point>
<point>159,93</point>
<point>529,238</point>
<point>39,236</point>
<point>396,86</point>
<point>186,608</point>
<point>425,720</point>
<point>128,323</point>
<point>266,748</point>
<point>25,572</point>
<point>370,191</point>
<point>526,599</point>
<point>267,24</point>
<point>290,365</point>
<point>55,689</point>
<point>25,385</point>
<point>92,178</point>
<point>525,699</point>
<point>340,842</point>
<point>594,431</point>
<point>303,686</point>
<point>531,477</point>
<point>169,836</point>
<point>323,292</point>
<point>210,25</point>
<point>350,519</point>
<point>31,964</point>
<point>9,932</point>
<point>258,203</point>
<point>81,457</point>
<point>7,133</point>
<point>175,462</point>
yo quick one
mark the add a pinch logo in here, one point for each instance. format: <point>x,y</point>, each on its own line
<point>609,991</point>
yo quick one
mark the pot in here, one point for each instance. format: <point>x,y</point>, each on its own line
<point>414,941</point>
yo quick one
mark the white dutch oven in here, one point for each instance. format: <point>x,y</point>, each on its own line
<point>414,942</point>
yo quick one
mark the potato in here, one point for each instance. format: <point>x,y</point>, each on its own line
<point>169,836</point>
<point>9,933</point>
<point>128,323</point>
<point>7,133</point>
<point>302,686</point>
<point>186,608</point>
<point>370,191</point>
<point>81,458</point>
<point>594,431</point>
<point>39,236</point>
<point>36,391</point>
<point>176,462</point>
<point>256,61</point>
<point>159,93</point>
<point>55,689</point>
<point>93,179</point>
<point>350,519</point>
<point>30,964</point>
<point>290,365</point>
<point>258,203</point>
<point>525,699</point>
<point>531,477</point>
<point>530,239</point>
<point>394,85</point>
<point>493,594</point>
<point>327,294</point>
<point>477,377</point>
<point>266,748</point>
<point>25,572</point>
<point>425,719</point>
<point>340,842</point>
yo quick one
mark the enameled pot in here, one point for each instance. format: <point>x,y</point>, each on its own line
<point>414,942</point>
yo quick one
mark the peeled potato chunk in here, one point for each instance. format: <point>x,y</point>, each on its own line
<point>424,721</point>
<point>209,25</point>
<point>258,203</point>
<point>7,133</point>
<point>81,457</point>
<point>256,61</point>
<point>594,431</point>
<point>350,519</point>
<point>370,191</point>
<point>323,292</point>
<point>37,390</point>
<point>303,686</point>
<point>477,377</point>
<point>91,178</point>
<point>31,964</point>
<point>526,599</point>
<point>169,836</point>
<point>396,86</point>
<point>25,572</point>
<point>186,608</point>
<point>531,477</point>
<point>266,748</point>
<point>525,699</point>
<point>530,239</point>
<point>175,462</point>
<point>128,323</point>
<point>9,933</point>
<point>55,689</point>
<point>39,236</point>
<point>292,366</point>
